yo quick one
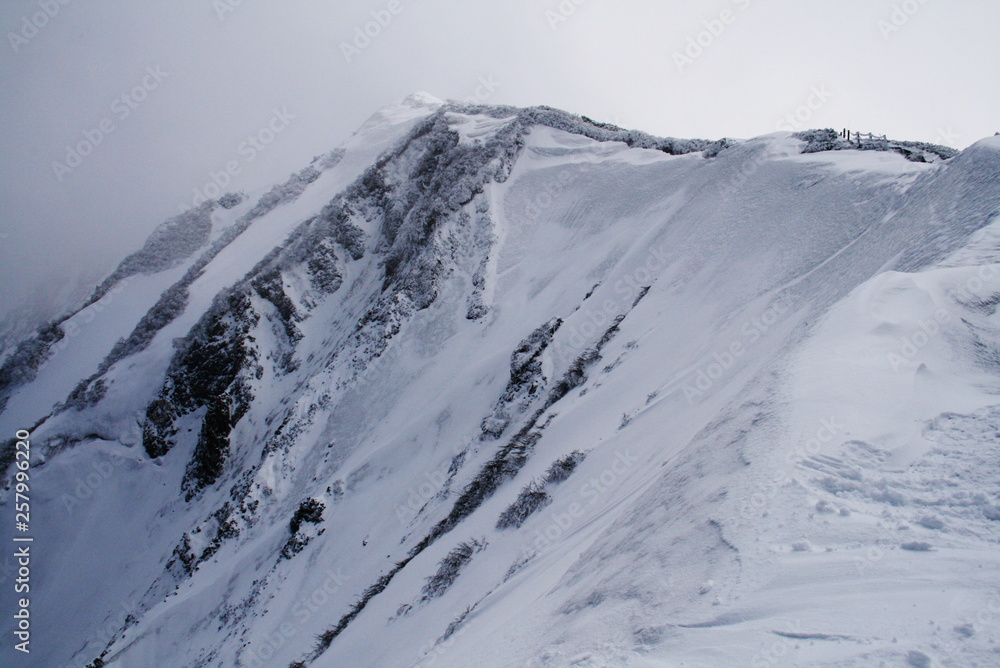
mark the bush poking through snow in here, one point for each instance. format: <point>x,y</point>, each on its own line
<point>455,623</point>
<point>828,139</point>
<point>229,200</point>
<point>450,568</point>
<point>563,468</point>
<point>527,502</point>
<point>526,379</point>
<point>22,366</point>
<point>534,496</point>
<point>576,374</point>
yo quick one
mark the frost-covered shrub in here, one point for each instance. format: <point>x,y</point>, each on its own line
<point>563,468</point>
<point>442,177</point>
<point>22,365</point>
<point>509,460</point>
<point>526,379</point>
<point>285,192</point>
<point>457,622</point>
<point>917,546</point>
<point>328,636</point>
<point>324,276</point>
<point>172,241</point>
<point>918,151</point>
<point>531,498</point>
<point>477,308</point>
<point>718,147</point>
<point>535,496</point>
<point>504,465</point>
<point>576,374</point>
<point>331,159</point>
<point>170,305</point>
<point>173,301</point>
<point>581,125</point>
<point>230,200</point>
<point>828,139</point>
<point>524,359</point>
<point>270,286</point>
<point>334,222</point>
<point>450,568</point>
<point>599,124</point>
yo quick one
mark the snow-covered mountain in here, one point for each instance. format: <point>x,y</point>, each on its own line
<point>488,386</point>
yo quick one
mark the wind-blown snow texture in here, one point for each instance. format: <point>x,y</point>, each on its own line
<point>492,386</point>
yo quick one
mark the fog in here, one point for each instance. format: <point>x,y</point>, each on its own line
<point>116,113</point>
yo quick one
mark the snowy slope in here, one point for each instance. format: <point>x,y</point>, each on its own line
<point>507,387</point>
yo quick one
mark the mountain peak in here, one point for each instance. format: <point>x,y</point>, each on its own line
<point>406,110</point>
<point>421,98</point>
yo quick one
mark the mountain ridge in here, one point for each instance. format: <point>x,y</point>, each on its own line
<point>441,301</point>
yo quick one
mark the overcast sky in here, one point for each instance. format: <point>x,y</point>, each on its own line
<point>200,76</point>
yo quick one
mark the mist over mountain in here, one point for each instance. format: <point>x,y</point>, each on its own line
<point>502,386</point>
